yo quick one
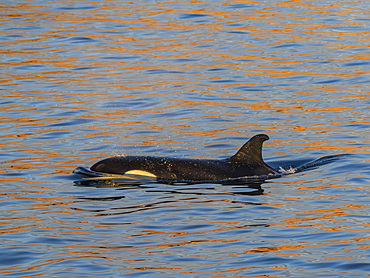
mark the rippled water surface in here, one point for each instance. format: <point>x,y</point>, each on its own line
<point>81,81</point>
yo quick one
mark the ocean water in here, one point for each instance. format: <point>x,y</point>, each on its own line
<point>82,81</point>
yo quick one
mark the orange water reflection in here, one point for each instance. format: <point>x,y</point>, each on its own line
<point>148,76</point>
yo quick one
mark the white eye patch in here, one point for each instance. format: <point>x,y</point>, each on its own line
<point>139,173</point>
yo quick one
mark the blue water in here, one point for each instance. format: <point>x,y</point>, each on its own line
<point>84,81</point>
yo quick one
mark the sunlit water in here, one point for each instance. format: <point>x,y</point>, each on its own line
<point>81,81</point>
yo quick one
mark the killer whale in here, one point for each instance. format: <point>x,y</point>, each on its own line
<point>247,161</point>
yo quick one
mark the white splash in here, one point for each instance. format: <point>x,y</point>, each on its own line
<point>291,170</point>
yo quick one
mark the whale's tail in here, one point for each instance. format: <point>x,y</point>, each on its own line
<point>251,153</point>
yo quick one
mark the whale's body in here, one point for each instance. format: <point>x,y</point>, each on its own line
<point>246,162</point>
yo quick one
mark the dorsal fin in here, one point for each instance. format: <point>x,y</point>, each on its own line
<point>251,151</point>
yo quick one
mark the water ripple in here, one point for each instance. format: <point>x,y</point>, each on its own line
<point>80,82</point>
